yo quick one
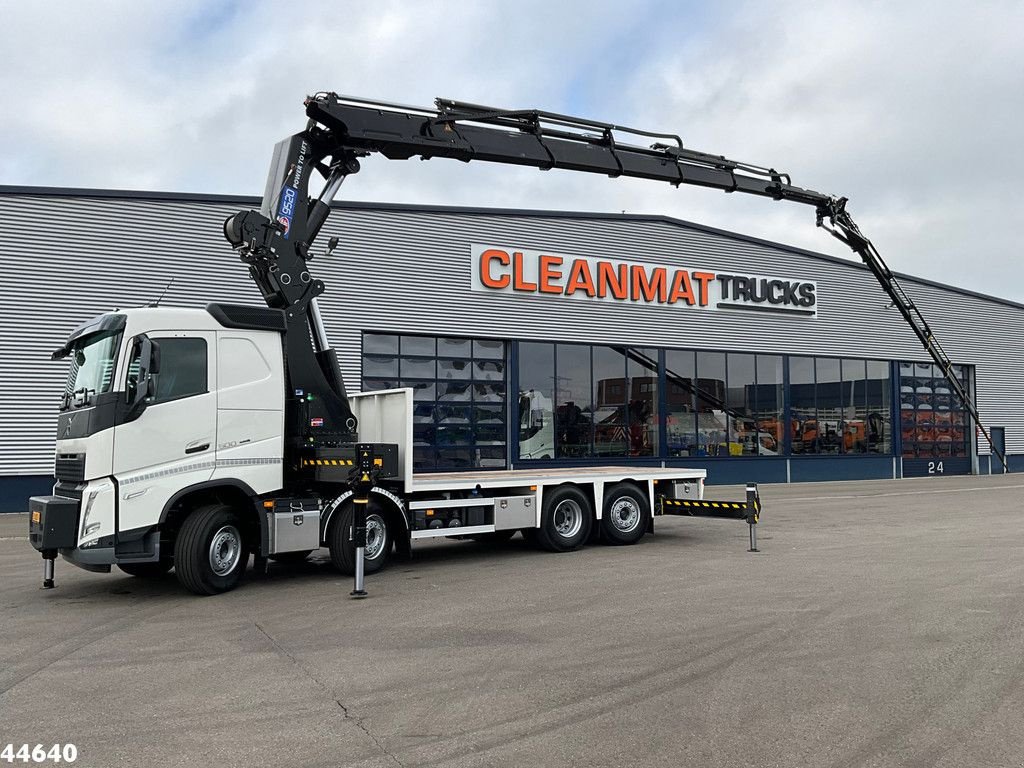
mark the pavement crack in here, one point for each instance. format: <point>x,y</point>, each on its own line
<point>361,726</point>
<point>354,719</point>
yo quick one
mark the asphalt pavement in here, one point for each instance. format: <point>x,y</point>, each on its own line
<point>882,624</point>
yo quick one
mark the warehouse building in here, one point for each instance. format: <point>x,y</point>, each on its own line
<point>544,338</point>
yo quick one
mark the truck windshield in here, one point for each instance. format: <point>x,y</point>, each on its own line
<point>92,363</point>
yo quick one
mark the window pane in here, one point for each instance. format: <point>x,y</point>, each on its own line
<point>454,348</point>
<point>454,414</point>
<point>741,404</point>
<point>489,414</point>
<point>454,391</point>
<point>854,406</point>
<point>769,405</point>
<point>454,369</point>
<point>183,365</point>
<point>536,414</point>
<point>803,429</point>
<point>828,394</point>
<point>379,344</point>
<point>680,421</point>
<point>418,367</point>
<point>494,350</point>
<point>490,392</point>
<point>419,345</point>
<point>611,393</point>
<point>572,398</point>
<point>445,396</point>
<point>712,422</point>
<point>643,402</point>
<point>878,427</point>
<point>488,370</point>
<point>375,366</point>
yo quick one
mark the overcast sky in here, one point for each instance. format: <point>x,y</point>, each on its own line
<point>913,110</point>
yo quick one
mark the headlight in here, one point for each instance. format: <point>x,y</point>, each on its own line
<point>86,527</point>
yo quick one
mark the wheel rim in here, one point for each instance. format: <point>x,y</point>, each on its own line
<point>225,550</point>
<point>376,536</point>
<point>624,514</point>
<point>568,519</point>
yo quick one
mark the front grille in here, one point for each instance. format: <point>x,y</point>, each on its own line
<point>69,491</point>
<point>70,466</point>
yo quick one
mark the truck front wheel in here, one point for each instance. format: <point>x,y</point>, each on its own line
<point>210,553</point>
<point>343,550</point>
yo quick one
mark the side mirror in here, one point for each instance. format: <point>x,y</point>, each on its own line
<point>154,358</point>
<point>148,352</point>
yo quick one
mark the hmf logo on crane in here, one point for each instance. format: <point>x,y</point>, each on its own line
<point>588,277</point>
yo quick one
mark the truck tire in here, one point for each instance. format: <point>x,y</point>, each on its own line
<point>211,553</point>
<point>378,539</point>
<point>566,519</point>
<point>625,514</point>
<point>146,570</point>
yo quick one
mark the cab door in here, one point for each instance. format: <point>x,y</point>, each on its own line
<point>170,444</point>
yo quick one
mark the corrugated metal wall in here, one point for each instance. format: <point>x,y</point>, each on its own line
<point>67,257</point>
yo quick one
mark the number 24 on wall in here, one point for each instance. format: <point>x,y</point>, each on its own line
<point>934,467</point>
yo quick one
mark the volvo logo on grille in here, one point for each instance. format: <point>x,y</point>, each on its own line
<point>297,519</point>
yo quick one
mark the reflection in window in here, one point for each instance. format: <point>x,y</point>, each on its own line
<point>458,395</point>
<point>183,369</point>
<point>803,416</point>
<point>768,407</point>
<point>574,414</point>
<point>712,421</point>
<point>536,398</point>
<point>878,430</point>
<point>741,403</point>
<point>830,405</point>
<point>933,422</point>
<point>680,419</point>
<point>643,402</point>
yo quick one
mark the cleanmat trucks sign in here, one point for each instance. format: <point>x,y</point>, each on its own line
<point>522,271</point>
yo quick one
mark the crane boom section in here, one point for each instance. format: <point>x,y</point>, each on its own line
<point>276,241</point>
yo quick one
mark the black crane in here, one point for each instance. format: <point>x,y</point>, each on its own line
<point>276,242</point>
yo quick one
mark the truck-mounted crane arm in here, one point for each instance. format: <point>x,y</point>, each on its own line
<point>276,241</point>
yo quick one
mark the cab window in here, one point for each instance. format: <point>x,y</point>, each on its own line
<point>183,369</point>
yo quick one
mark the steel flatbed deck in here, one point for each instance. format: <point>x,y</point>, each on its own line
<point>449,481</point>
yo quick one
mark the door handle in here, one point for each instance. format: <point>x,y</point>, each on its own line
<point>197,448</point>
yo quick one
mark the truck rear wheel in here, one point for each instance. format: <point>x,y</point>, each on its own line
<point>566,519</point>
<point>210,553</point>
<point>625,514</point>
<point>342,547</point>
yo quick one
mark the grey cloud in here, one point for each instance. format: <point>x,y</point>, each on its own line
<point>912,109</point>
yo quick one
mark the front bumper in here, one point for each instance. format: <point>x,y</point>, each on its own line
<point>54,527</point>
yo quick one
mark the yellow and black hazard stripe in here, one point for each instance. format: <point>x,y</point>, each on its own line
<point>705,504</point>
<point>327,462</point>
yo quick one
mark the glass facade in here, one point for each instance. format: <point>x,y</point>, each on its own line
<point>584,401</point>
<point>933,422</point>
<point>594,402</point>
<point>458,388</point>
<point>839,406</point>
